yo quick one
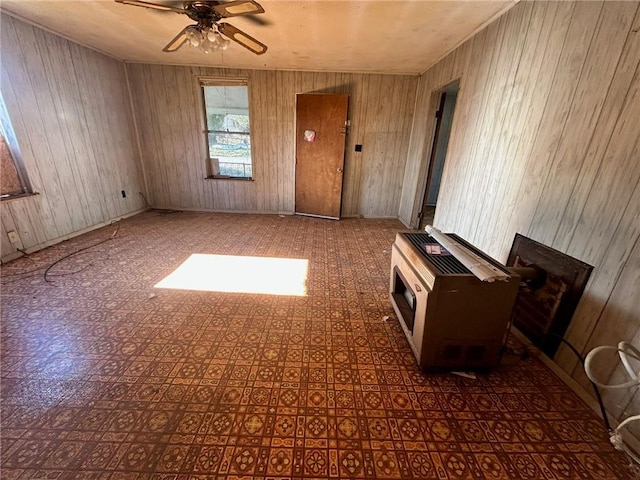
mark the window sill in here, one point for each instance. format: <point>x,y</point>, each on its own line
<point>8,198</point>
<point>227,177</point>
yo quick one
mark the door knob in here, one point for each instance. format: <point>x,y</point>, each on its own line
<point>339,170</point>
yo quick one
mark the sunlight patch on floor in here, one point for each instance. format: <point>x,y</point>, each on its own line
<point>238,274</point>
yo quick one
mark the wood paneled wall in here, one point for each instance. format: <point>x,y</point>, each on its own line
<point>70,110</point>
<point>168,109</point>
<point>545,142</point>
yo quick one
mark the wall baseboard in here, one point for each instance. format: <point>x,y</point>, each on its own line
<point>213,210</point>
<point>263,212</point>
<point>564,376</point>
<point>54,241</point>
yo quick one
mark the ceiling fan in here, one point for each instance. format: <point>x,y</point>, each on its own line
<point>207,33</point>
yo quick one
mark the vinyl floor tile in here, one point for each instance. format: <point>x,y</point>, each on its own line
<point>105,376</point>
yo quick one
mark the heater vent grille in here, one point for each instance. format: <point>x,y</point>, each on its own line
<point>445,264</point>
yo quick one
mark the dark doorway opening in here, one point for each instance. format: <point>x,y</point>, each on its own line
<point>442,131</point>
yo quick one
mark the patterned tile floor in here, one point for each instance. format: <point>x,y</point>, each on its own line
<point>106,377</point>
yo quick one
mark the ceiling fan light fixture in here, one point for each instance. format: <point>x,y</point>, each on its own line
<point>194,36</point>
<point>209,33</point>
<point>206,39</point>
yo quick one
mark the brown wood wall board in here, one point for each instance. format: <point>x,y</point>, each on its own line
<point>70,111</point>
<point>590,92</point>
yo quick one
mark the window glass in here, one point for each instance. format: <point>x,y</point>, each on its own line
<point>9,180</point>
<point>13,178</point>
<point>228,133</point>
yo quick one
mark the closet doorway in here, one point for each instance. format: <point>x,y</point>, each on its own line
<point>442,131</point>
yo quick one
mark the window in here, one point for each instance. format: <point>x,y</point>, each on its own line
<point>226,108</point>
<point>13,181</point>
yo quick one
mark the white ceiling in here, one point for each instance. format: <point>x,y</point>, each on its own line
<point>393,36</point>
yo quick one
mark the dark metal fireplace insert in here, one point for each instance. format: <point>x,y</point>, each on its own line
<point>543,309</point>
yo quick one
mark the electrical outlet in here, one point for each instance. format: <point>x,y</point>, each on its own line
<point>14,238</point>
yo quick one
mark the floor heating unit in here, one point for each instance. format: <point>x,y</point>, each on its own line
<point>451,318</point>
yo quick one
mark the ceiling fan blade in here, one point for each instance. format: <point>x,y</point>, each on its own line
<point>177,41</point>
<point>238,36</point>
<point>239,7</point>
<point>154,6</point>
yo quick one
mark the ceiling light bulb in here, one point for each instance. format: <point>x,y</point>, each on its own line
<point>212,35</point>
<point>194,36</point>
<point>206,46</point>
<point>224,43</point>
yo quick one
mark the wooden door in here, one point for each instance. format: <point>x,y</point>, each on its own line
<point>320,142</point>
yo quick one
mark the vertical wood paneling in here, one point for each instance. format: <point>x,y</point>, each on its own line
<point>353,168</point>
<point>499,100</point>
<point>609,116</point>
<point>590,91</point>
<point>558,102</point>
<point>276,169</point>
<point>54,54</point>
<point>526,107</point>
<point>381,108</point>
<point>471,116</point>
<point>609,223</point>
<point>69,109</point>
<point>529,172</point>
<point>5,245</point>
<point>259,136</point>
<point>286,124</point>
<point>545,142</point>
<point>20,96</point>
